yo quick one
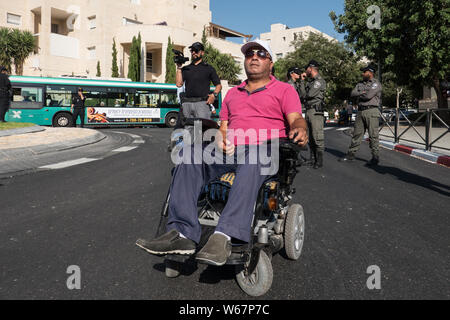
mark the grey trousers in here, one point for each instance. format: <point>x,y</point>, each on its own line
<point>366,120</point>
<point>196,110</point>
<point>315,121</point>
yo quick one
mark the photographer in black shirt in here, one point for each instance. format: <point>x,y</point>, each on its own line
<point>197,78</point>
<point>78,107</point>
<point>5,93</point>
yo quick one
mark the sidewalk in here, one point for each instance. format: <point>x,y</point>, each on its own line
<point>413,139</point>
<point>36,140</point>
<point>411,143</point>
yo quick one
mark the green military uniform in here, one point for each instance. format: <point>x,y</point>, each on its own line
<point>368,117</point>
<point>313,93</point>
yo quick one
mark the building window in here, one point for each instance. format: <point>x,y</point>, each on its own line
<point>149,62</point>
<point>92,22</point>
<point>13,19</point>
<point>92,54</point>
<point>55,28</point>
<point>279,55</point>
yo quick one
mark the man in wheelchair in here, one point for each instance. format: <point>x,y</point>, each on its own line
<point>261,103</point>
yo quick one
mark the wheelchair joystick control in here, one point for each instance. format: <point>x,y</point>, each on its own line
<point>263,235</point>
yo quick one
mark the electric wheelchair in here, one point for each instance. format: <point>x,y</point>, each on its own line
<point>277,223</point>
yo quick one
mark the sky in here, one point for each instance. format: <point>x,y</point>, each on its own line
<point>255,16</point>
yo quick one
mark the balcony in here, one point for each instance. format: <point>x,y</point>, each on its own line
<point>64,46</point>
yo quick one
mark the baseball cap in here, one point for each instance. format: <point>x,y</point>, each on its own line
<point>2,68</point>
<point>197,46</point>
<point>312,63</point>
<point>257,43</point>
<point>371,67</point>
<point>295,70</point>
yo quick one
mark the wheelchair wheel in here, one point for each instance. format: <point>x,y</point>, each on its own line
<point>294,231</point>
<point>172,268</point>
<point>260,281</point>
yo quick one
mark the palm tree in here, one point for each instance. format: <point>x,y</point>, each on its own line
<point>22,45</point>
<point>5,48</point>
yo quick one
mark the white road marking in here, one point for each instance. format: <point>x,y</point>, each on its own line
<point>66,164</point>
<point>124,149</point>
<point>328,128</point>
<point>343,129</point>
<point>140,141</point>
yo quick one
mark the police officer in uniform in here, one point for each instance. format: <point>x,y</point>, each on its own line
<point>313,93</point>
<point>197,78</point>
<point>368,94</point>
<point>5,93</point>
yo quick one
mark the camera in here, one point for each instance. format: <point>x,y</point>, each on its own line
<point>179,57</point>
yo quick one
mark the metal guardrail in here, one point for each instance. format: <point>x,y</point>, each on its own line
<point>429,115</point>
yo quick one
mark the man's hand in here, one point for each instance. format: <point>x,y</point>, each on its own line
<point>211,99</point>
<point>299,136</point>
<point>303,76</point>
<point>226,146</point>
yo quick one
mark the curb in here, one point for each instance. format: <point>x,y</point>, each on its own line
<point>54,147</point>
<point>418,153</point>
<point>17,131</point>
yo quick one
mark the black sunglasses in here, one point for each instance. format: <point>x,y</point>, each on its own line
<point>195,50</point>
<point>260,53</point>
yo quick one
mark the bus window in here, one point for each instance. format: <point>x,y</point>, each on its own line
<point>129,99</point>
<point>169,99</point>
<point>116,99</point>
<point>95,98</point>
<point>147,99</point>
<point>27,97</point>
<point>57,96</point>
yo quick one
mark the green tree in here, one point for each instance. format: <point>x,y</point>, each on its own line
<point>339,65</point>
<point>411,41</point>
<point>133,61</point>
<point>170,65</point>
<point>226,67</point>
<point>5,48</point>
<point>99,71</point>
<point>115,68</point>
<point>22,45</point>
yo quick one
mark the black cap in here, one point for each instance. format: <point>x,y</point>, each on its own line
<point>312,63</point>
<point>2,68</point>
<point>371,67</point>
<point>197,46</point>
<point>295,70</point>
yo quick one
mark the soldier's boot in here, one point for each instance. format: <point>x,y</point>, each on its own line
<point>374,161</point>
<point>349,157</point>
<point>312,158</point>
<point>319,162</point>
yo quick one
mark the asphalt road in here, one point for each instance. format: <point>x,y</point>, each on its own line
<point>395,217</point>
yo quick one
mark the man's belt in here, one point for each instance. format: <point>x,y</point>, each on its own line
<point>362,108</point>
<point>317,107</point>
<point>186,99</point>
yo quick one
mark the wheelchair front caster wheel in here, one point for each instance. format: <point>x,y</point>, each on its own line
<point>260,281</point>
<point>173,268</point>
<point>294,231</point>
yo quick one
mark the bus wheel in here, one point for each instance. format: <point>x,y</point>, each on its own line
<point>63,120</point>
<point>171,119</point>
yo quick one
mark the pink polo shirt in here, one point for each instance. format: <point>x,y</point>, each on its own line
<point>252,116</point>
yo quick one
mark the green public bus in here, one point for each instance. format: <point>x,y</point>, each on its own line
<point>47,102</point>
